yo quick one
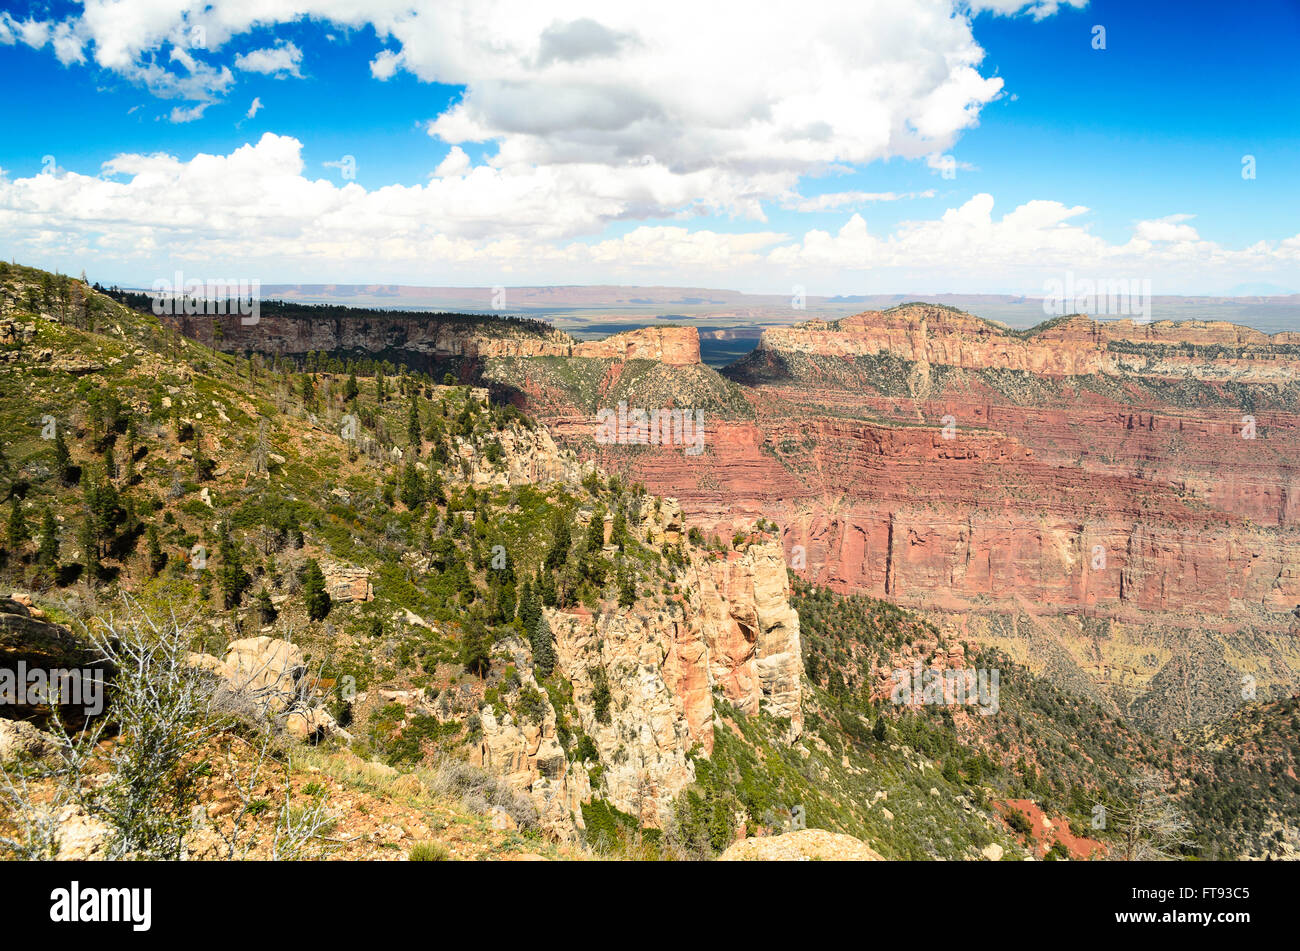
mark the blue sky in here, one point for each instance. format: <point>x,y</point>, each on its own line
<point>594,147</point>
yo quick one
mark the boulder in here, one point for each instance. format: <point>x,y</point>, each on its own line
<point>20,739</point>
<point>802,846</point>
<point>266,668</point>
<point>81,836</point>
<point>345,583</point>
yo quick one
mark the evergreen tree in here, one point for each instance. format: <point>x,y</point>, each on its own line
<point>412,485</point>
<point>530,611</point>
<point>350,389</point>
<point>546,589</point>
<point>18,532</point>
<point>266,612</point>
<point>90,547</point>
<point>435,492</point>
<point>62,458</point>
<point>562,539</point>
<point>618,534</point>
<point>48,552</point>
<point>157,558</point>
<point>129,474</point>
<point>626,586</point>
<point>232,578</point>
<point>543,642</point>
<point>413,424</point>
<point>476,649</point>
<point>315,597</point>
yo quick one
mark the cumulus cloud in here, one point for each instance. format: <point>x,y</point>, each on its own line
<point>1169,228</point>
<point>832,200</point>
<point>455,164</point>
<point>254,107</point>
<point>1035,8</point>
<point>256,208</point>
<point>709,95</point>
<point>279,61</point>
<point>188,114</point>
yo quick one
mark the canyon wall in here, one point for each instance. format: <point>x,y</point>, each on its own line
<point>435,336</point>
<point>1069,346</point>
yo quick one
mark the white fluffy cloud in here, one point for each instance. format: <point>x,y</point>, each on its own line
<point>279,61</point>
<point>707,95</point>
<point>256,210</point>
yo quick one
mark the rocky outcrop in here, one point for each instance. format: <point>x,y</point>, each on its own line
<point>750,630</point>
<point>531,759</point>
<point>804,845</point>
<point>19,739</point>
<point>345,583</point>
<point>268,677</point>
<point>26,635</point>
<point>644,678</point>
<point>527,457</point>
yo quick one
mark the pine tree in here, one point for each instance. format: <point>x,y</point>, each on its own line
<point>626,586</point>
<point>350,390</point>
<point>307,390</point>
<point>435,492</point>
<point>62,458</point>
<point>412,485</point>
<point>18,533</point>
<point>546,589</point>
<point>529,609</point>
<point>315,597</point>
<point>265,607</point>
<point>543,642</point>
<point>90,547</point>
<point>157,558</point>
<point>413,425</point>
<point>129,475</point>
<point>232,578</point>
<point>48,552</point>
<point>476,649</point>
<point>562,536</point>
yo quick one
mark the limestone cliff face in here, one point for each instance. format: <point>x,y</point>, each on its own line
<point>531,759</point>
<point>644,677</point>
<point>435,336</point>
<point>751,631</point>
<point>661,663</point>
<point>1075,346</point>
